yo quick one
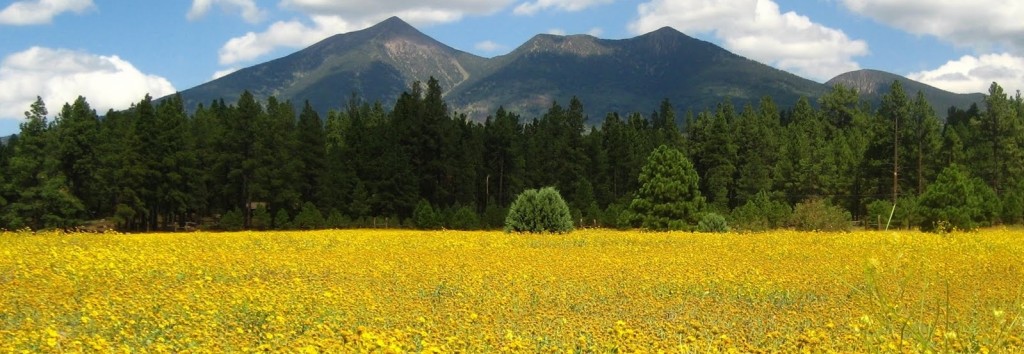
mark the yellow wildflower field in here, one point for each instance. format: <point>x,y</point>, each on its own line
<point>445,291</point>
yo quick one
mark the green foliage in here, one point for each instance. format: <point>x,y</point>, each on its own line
<point>463,218</point>
<point>336,220</point>
<point>712,222</point>
<point>424,217</point>
<point>232,221</point>
<point>281,220</point>
<point>541,210</point>
<point>818,214</point>
<point>905,216</point>
<point>494,216</point>
<point>261,219</point>
<point>957,201</point>
<point>669,198</point>
<point>761,213</point>
<point>309,218</point>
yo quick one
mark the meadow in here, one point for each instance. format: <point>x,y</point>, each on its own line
<point>444,291</point>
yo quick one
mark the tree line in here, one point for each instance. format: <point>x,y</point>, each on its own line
<point>269,164</point>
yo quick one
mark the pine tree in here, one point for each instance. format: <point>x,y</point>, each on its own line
<point>669,196</point>
<point>42,197</point>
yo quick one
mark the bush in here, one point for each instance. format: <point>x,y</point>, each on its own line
<point>281,220</point>
<point>261,218</point>
<point>494,215</point>
<point>905,216</point>
<point>309,217</point>
<point>541,210</point>
<point>424,217</point>
<point>232,221</point>
<point>712,222</point>
<point>761,213</point>
<point>819,215</point>
<point>957,201</point>
<point>336,220</point>
<point>464,218</point>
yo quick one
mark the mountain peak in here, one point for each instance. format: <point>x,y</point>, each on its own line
<point>578,44</point>
<point>873,84</point>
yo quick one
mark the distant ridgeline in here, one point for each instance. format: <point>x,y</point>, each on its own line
<point>627,75</point>
<point>280,164</point>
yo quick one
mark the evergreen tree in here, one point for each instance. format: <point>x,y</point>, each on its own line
<point>42,196</point>
<point>311,152</point>
<point>503,176</point>
<point>309,218</point>
<point>75,132</point>
<point>956,201</point>
<point>669,197</point>
<point>758,144</point>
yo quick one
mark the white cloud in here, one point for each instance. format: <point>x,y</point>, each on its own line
<point>287,34</point>
<point>596,32</point>
<point>557,31</point>
<point>248,8</point>
<point>328,17</point>
<point>61,75</point>
<point>979,24</point>
<point>530,8</point>
<point>222,73</point>
<point>758,30</point>
<point>40,11</point>
<point>971,74</point>
<point>488,46</point>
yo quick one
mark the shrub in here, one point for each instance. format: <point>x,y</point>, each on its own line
<point>424,217</point>
<point>464,218</point>
<point>281,220</point>
<point>261,218</point>
<point>336,220</point>
<point>232,221</point>
<point>494,215</point>
<point>957,201</point>
<point>819,215</point>
<point>712,222</point>
<point>541,210</point>
<point>309,217</point>
<point>761,213</point>
<point>906,214</point>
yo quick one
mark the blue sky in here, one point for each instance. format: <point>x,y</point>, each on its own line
<point>114,52</point>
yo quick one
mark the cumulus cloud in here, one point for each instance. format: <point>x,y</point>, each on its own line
<point>557,31</point>
<point>596,31</point>
<point>222,73</point>
<point>281,34</point>
<point>971,74</point>
<point>328,17</point>
<point>61,75</point>
<point>980,24</point>
<point>37,12</point>
<point>530,8</point>
<point>488,46</point>
<point>248,9</point>
<point>759,30</point>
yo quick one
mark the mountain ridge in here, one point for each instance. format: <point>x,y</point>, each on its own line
<point>873,84</point>
<point>609,75</point>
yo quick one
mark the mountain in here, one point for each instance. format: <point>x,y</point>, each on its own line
<point>377,63</point>
<point>630,75</point>
<point>627,75</point>
<point>873,84</point>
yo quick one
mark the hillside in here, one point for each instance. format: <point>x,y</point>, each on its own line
<point>627,75</point>
<point>873,84</point>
